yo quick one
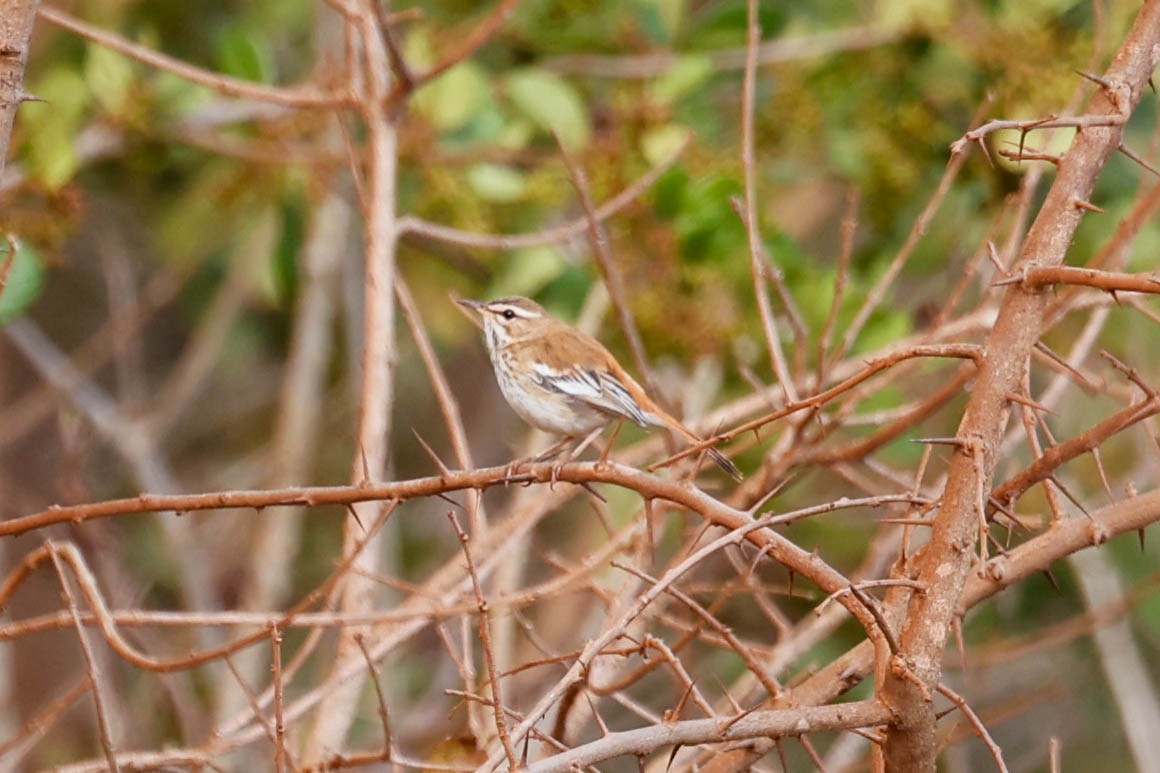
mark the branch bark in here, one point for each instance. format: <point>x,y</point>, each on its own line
<point>378,368</point>
<point>944,563</point>
<point>16,21</point>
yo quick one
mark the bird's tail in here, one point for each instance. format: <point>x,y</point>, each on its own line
<point>723,461</point>
<point>726,464</point>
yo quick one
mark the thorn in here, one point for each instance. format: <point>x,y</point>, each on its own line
<point>986,152</point>
<point>993,256</point>
<point>1069,495</point>
<point>451,501</point>
<point>354,514</point>
<point>1136,157</point>
<point>443,471</point>
<point>366,468</point>
<point>676,714</point>
<point>1081,204</point>
<point>1051,579</point>
<point>1129,372</point>
<point>1011,280</point>
<point>588,487</point>
<point>728,696</point>
<point>1094,79</point>
<point>1080,378</point>
<point>26,97</point>
<point>774,491</point>
<point>946,712</point>
<point>740,716</point>
<point>1030,403</point>
<point>1006,512</point>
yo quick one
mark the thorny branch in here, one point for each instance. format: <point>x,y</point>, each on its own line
<point>633,668</point>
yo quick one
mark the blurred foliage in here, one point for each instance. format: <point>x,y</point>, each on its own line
<point>215,191</point>
<point>23,277</point>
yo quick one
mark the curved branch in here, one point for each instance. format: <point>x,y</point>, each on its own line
<point>290,97</point>
<point>758,724</point>
<point>570,230</point>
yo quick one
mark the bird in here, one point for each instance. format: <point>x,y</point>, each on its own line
<point>563,381</point>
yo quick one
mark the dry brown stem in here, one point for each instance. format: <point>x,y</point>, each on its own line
<point>15,36</point>
<point>655,612</point>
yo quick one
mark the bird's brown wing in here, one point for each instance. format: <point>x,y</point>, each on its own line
<point>600,389</point>
<point>580,366</point>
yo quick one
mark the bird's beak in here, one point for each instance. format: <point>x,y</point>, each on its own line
<point>470,309</point>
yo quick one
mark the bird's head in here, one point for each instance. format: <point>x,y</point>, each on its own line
<point>508,320</point>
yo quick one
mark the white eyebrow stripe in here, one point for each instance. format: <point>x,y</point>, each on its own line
<point>519,312</point>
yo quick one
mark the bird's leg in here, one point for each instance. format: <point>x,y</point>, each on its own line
<point>571,453</point>
<point>509,472</point>
<point>587,441</point>
<point>575,452</point>
<point>553,450</point>
<point>608,446</point>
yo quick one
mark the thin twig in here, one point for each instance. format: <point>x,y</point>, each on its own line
<point>493,676</point>
<point>556,235</point>
<point>279,718</point>
<point>288,97</point>
<point>96,679</point>
<point>608,268</point>
<point>977,724</point>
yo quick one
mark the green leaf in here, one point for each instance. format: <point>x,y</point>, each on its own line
<point>673,14</point>
<point>528,271</point>
<point>688,74</point>
<point>930,14</point>
<point>883,328</point>
<point>257,251</point>
<point>284,263</point>
<point>417,47</point>
<point>723,23</point>
<point>660,20</point>
<point>243,54</point>
<point>662,142</point>
<point>670,192</point>
<point>23,285</point>
<point>552,103</point>
<point>109,76</point>
<point>53,124</point>
<point>497,183</point>
<point>453,99</point>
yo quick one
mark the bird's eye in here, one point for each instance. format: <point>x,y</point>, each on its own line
<point>509,314</point>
